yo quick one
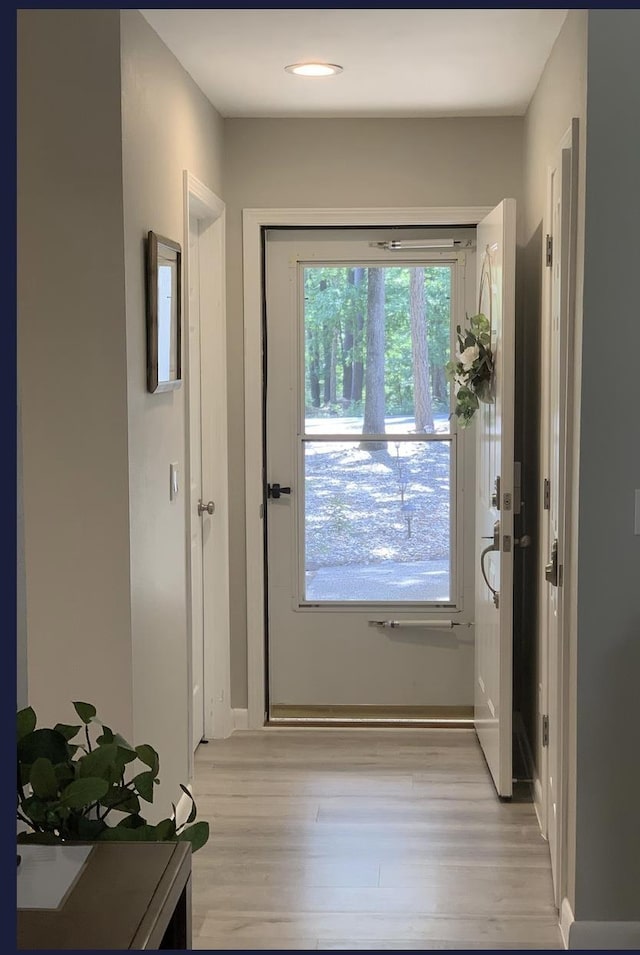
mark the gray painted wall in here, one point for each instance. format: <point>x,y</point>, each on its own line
<point>341,163</point>
<point>167,126</point>
<point>72,363</point>
<point>608,642</point>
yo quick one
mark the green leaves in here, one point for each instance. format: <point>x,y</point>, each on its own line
<point>148,756</point>
<point>82,792</point>
<point>197,835</point>
<point>43,779</point>
<point>144,784</point>
<point>66,730</point>
<point>25,721</point>
<point>85,711</point>
<point>45,742</point>
<point>73,791</point>
<point>99,761</point>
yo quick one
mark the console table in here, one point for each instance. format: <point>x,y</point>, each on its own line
<point>133,895</point>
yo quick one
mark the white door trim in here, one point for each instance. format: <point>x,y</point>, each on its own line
<point>201,202</point>
<point>253,222</point>
<point>566,413</point>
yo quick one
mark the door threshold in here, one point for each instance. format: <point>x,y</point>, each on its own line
<point>455,717</point>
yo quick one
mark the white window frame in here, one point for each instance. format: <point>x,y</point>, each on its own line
<point>456,441</point>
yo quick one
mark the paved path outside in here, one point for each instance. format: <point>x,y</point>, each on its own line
<point>421,580</point>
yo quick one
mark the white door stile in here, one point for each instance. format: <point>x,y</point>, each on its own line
<point>494,500</point>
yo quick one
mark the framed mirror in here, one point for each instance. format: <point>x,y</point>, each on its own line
<point>164,314</point>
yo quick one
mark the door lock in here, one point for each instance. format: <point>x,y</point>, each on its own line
<point>551,569</point>
<point>208,508</point>
<point>275,490</point>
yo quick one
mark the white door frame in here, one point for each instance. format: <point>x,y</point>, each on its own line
<point>254,221</point>
<point>201,203</point>
<point>566,416</point>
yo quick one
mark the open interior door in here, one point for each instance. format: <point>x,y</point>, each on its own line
<point>496,238</point>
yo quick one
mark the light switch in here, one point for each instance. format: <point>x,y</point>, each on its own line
<point>173,481</point>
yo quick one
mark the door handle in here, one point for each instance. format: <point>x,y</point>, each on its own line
<point>551,569</point>
<point>208,508</point>
<point>275,490</point>
<point>494,545</point>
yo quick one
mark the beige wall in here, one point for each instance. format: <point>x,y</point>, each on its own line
<point>342,163</point>
<point>608,639</point>
<point>167,126</point>
<point>72,363</point>
<point>560,96</point>
<point>108,122</point>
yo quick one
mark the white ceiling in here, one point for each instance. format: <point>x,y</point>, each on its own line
<point>396,62</point>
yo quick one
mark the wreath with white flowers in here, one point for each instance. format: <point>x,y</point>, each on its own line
<point>472,373</point>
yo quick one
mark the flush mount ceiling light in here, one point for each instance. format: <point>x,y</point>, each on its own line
<point>314,69</point>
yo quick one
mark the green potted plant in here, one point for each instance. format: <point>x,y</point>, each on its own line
<point>91,789</point>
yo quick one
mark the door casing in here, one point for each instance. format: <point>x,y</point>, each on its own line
<point>558,657</point>
<point>202,204</point>
<point>255,221</point>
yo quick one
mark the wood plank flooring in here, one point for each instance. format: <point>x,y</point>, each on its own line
<point>364,839</point>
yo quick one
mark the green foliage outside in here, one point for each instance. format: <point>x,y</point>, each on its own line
<point>68,791</point>
<point>335,327</point>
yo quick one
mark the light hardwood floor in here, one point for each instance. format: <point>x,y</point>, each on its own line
<point>364,839</point>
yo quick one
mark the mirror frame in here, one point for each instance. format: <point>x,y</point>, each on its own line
<point>154,384</point>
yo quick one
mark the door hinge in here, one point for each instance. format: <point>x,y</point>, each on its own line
<point>545,730</point>
<point>549,251</point>
<point>547,494</point>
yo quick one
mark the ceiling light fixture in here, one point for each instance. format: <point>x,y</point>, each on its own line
<point>314,69</point>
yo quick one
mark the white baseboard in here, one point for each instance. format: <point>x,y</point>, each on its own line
<point>240,719</point>
<point>183,808</point>
<point>566,921</point>
<point>607,936</point>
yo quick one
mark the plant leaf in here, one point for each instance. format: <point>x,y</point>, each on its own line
<point>123,744</point>
<point>99,761</point>
<point>90,829</point>
<point>193,812</point>
<point>43,779</point>
<point>26,721</point>
<point>165,830</point>
<point>34,808</point>
<point>122,799</point>
<point>44,742</point>
<point>121,833</point>
<point>144,784</point>
<point>40,838</point>
<point>66,730</point>
<point>86,711</point>
<point>134,821</point>
<point>148,756</point>
<point>82,792</point>
<point>197,835</point>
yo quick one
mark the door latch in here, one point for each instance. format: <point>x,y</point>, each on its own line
<point>551,569</point>
<point>275,490</point>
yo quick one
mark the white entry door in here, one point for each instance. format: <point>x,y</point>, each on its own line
<point>367,517</point>
<point>496,240</point>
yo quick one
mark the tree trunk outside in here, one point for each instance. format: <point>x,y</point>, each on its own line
<point>423,411</point>
<point>357,377</point>
<point>374,366</point>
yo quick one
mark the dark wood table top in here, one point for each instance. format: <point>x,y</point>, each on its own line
<point>124,897</point>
